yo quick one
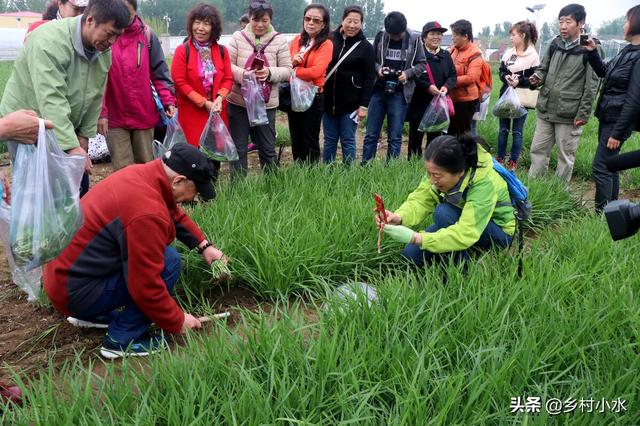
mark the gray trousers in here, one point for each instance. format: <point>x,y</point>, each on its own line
<point>565,136</point>
<point>264,137</point>
<point>129,146</point>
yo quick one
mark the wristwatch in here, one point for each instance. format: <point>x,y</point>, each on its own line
<point>204,247</point>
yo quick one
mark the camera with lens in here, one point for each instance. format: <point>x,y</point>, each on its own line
<point>390,77</point>
<point>623,216</point>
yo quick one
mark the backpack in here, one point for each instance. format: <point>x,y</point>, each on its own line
<point>485,85</point>
<point>517,191</point>
<point>185,44</point>
<point>265,86</point>
<point>520,201</point>
<point>154,93</point>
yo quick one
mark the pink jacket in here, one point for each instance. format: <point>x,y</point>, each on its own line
<point>128,102</point>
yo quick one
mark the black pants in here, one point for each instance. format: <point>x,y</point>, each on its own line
<point>461,121</point>
<point>607,183</point>
<point>304,128</point>
<point>416,137</point>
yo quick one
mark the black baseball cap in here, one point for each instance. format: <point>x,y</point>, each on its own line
<point>190,162</point>
<point>433,26</point>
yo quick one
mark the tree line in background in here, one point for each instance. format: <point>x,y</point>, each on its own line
<point>287,17</point>
<point>287,14</point>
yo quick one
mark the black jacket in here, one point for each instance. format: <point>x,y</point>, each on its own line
<point>444,74</point>
<point>351,85</point>
<point>619,102</point>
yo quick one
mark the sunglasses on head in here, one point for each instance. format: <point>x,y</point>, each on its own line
<point>260,5</point>
<point>315,20</point>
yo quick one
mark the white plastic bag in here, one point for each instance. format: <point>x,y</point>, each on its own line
<point>253,100</point>
<point>27,281</point>
<point>173,136</point>
<point>509,106</point>
<point>216,141</point>
<point>483,110</point>
<point>436,117</point>
<point>302,93</point>
<point>45,209</point>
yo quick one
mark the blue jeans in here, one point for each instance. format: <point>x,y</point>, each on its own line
<point>130,323</point>
<point>339,128</point>
<point>444,216</point>
<point>395,108</point>
<point>516,128</point>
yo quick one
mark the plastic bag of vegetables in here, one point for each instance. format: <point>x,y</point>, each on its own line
<point>45,209</point>
<point>436,117</point>
<point>216,142</point>
<point>509,106</point>
<point>173,136</point>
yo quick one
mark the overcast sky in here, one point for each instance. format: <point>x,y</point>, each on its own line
<point>483,13</point>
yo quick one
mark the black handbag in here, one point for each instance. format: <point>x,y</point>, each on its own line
<point>284,97</point>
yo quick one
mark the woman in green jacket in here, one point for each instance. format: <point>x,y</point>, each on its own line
<point>469,201</point>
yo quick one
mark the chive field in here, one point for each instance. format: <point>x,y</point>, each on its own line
<point>427,351</point>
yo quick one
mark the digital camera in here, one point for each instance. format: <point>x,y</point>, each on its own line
<point>390,77</point>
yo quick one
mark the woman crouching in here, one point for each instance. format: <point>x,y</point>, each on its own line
<point>469,201</point>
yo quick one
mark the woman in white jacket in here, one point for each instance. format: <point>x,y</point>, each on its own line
<point>257,39</point>
<point>517,65</point>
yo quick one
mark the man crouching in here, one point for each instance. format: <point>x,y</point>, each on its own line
<point>119,270</point>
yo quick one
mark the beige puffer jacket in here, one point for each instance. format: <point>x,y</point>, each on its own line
<point>277,54</point>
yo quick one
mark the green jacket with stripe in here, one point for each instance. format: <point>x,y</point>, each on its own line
<point>482,195</point>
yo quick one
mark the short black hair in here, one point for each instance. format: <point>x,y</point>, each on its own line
<point>104,11</point>
<point>353,9</point>
<point>244,19</point>
<point>395,23</point>
<point>463,27</point>
<point>574,10</point>
<point>633,16</point>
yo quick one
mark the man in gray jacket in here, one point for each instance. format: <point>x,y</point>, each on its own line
<point>568,87</point>
<point>400,60</point>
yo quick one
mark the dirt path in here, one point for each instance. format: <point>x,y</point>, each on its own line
<point>34,337</point>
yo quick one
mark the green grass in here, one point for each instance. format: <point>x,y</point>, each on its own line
<point>423,354</point>
<point>284,231</point>
<point>488,129</point>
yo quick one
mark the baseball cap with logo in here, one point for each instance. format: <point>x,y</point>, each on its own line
<point>433,26</point>
<point>190,162</point>
<point>79,3</point>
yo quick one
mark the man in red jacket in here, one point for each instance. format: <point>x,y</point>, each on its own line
<point>119,270</point>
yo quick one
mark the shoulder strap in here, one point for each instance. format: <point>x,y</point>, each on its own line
<point>221,51</point>
<point>251,43</point>
<point>335,67</point>
<point>264,46</point>
<point>147,36</point>
<point>186,52</point>
<point>430,74</point>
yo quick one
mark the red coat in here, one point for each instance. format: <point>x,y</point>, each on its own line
<point>192,114</point>
<point>137,58</point>
<point>129,220</point>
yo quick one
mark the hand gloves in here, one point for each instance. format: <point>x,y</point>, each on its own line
<point>399,233</point>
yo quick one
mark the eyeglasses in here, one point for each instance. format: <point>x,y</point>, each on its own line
<point>315,20</point>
